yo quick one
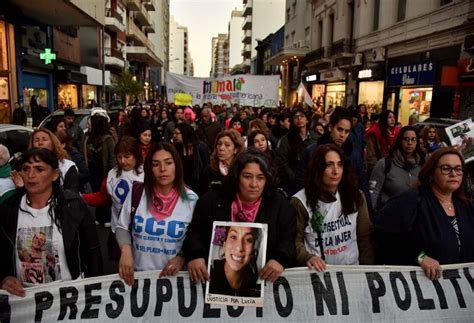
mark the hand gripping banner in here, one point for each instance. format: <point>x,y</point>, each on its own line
<point>341,294</point>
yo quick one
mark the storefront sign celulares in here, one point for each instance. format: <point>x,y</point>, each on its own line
<point>412,74</point>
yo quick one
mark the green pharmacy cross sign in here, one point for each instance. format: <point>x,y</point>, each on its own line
<point>47,56</point>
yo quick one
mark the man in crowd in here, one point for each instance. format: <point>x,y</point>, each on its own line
<point>207,129</point>
<point>73,130</point>
<point>169,129</point>
<point>19,116</point>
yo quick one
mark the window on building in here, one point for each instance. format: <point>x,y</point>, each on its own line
<point>443,2</point>
<point>293,6</point>
<point>320,34</point>
<point>293,37</point>
<point>331,28</point>
<point>306,36</point>
<point>402,8</point>
<point>376,15</point>
<point>288,14</point>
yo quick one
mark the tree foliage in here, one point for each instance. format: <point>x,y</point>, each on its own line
<point>125,85</point>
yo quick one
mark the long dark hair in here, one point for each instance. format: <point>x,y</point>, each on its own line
<point>128,144</point>
<point>189,138</point>
<point>426,173</point>
<point>149,181</point>
<point>99,128</point>
<point>252,155</point>
<point>397,145</point>
<point>383,122</point>
<point>351,198</point>
<point>48,157</point>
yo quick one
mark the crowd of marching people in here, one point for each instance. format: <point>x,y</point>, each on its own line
<point>333,188</point>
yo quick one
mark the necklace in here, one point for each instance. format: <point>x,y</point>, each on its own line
<point>448,205</point>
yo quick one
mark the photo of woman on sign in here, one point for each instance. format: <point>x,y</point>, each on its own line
<point>235,273</point>
<point>237,254</point>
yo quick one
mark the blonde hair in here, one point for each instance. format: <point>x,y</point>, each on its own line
<point>236,139</point>
<point>57,148</point>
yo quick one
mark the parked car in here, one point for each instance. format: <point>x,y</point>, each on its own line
<point>15,138</point>
<point>81,117</point>
<point>440,124</point>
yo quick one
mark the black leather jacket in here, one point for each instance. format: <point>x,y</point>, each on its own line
<point>81,242</point>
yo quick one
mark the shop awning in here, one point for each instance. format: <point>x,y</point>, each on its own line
<point>94,75</point>
<point>67,76</point>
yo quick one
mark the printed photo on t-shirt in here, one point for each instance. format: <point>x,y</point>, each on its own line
<point>39,259</point>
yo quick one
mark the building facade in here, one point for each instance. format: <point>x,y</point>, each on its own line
<point>261,17</point>
<point>235,39</point>
<point>179,57</point>
<point>407,56</point>
<point>220,56</point>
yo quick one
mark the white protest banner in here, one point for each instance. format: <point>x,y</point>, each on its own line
<point>341,294</point>
<point>246,89</point>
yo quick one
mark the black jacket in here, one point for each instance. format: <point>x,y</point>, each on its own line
<point>415,221</point>
<point>275,211</point>
<point>81,242</point>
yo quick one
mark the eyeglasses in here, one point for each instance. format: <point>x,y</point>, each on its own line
<point>408,139</point>
<point>446,170</point>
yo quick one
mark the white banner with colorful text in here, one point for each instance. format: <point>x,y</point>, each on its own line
<point>246,89</point>
<point>342,293</point>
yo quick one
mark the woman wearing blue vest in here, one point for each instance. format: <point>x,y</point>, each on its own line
<point>156,216</point>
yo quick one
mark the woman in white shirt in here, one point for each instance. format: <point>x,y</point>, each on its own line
<point>333,225</point>
<point>47,233</point>
<point>155,216</point>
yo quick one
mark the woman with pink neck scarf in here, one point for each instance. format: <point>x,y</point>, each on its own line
<point>248,194</point>
<point>155,215</point>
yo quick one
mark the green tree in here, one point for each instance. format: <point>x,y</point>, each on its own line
<point>125,86</point>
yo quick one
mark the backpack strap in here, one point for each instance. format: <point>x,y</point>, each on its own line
<point>388,166</point>
<point>137,191</point>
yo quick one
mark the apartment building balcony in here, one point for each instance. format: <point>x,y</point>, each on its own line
<point>247,37</point>
<point>132,5</point>
<point>247,8</point>
<point>246,51</point>
<point>149,4</point>
<point>143,54</point>
<point>135,34</point>
<point>247,23</point>
<point>341,49</point>
<point>114,21</point>
<point>318,58</point>
<point>142,16</point>
<point>114,58</point>
<point>298,50</point>
<point>150,28</point>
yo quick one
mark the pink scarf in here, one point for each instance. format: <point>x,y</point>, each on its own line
<point>244,212</point>
<point>162,206</point>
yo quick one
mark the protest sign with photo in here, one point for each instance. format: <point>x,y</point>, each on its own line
<point>462,134</point>
<point>237,254</point>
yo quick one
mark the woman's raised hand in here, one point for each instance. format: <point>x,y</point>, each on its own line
<point>431,267</point>
<point>13,286</point>
<point>271,271</point>
<point>126,270</point>
<point>316,263</point>
<point>173,266</point>
<point>17,180</point>
<point>198,271</point>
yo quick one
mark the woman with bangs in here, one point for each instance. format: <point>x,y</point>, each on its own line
<point>156,216</point>
<point>118,183</point>
<point>333,225</point>
<point>69,175</point>
<point>229,144</point>
<point>248,194</point>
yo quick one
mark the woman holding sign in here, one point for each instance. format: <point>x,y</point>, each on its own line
<point>333,225</point>
<point>432,224</point>
<point>248,194</point>
<point>47,233</point>
<point>155,215</point>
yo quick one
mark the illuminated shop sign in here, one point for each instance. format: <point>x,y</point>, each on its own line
<point>311,78</point>
<point>365,74</point>
<point>412,74</point>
